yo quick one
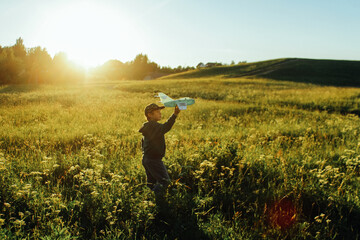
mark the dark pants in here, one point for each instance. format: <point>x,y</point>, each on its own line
<point>157,176</point>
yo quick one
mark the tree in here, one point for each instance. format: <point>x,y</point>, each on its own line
<point>11,67</point>
<point>19,48</point>
<point>12,63</point>
<point>64,71</point>
<point>141,66</point>
<point>141,59</point>
<point>113,69</point>
<point>38,65</point>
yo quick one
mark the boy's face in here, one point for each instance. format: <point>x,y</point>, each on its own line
<point>155,115</point>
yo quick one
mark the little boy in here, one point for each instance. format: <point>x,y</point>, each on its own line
<point>153,147</point>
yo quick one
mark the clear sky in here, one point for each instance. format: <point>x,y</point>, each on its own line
<point>185,32</point>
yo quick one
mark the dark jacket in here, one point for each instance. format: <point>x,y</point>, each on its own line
<point>153,142</point>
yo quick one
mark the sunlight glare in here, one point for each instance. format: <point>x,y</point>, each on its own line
<point>89,32</point>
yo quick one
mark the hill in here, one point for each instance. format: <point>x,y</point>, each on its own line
<point>322,72</point>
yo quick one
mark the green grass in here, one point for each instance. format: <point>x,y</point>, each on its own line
<point>248,152</point>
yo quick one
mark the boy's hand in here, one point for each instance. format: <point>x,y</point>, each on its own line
<point>176,110</point>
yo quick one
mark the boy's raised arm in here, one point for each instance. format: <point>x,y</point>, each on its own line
<point>170,122</point>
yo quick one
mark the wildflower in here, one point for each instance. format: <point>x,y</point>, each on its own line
<point>207,163</point>
<point>38,178</point>
<point>116,178</point>
<point>94,193</point>
<point>46,158</point>
<point>319,218</point>
<point>73,168</point>
<point>7,205</point>
<point>19,222</point>
<point>56,195</point>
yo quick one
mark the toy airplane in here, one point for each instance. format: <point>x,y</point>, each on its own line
<point>181,102</point>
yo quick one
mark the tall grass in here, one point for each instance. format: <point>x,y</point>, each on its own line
<point>251,159</point>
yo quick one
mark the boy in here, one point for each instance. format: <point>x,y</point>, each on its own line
<point>153,147</point>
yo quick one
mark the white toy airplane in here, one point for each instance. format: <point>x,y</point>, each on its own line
<point>181,102</point>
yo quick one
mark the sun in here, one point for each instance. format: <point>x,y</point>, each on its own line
<point>90,33</point>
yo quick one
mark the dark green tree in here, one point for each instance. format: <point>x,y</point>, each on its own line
<point>113,69</point>
<point>38,65</point>
<point>141,67</point>
<point>64,71</point>
<point>19,48</point>
<point>11,67</point>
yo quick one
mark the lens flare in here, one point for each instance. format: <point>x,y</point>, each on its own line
<point>282,214</point>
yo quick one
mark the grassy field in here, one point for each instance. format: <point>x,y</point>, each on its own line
<point>252,159</point>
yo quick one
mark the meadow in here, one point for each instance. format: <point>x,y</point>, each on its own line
<point>252,159</point>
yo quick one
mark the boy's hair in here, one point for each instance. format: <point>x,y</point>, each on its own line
<point>152,107</point>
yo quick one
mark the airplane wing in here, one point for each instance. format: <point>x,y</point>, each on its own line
<point>166,100</point>
<point>182,105</point>
<point>189,101</point>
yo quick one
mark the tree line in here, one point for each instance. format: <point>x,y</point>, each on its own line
<point>139,68</point>
<point>19,65</point>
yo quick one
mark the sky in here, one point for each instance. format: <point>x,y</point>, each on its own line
<point>184,32</point>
